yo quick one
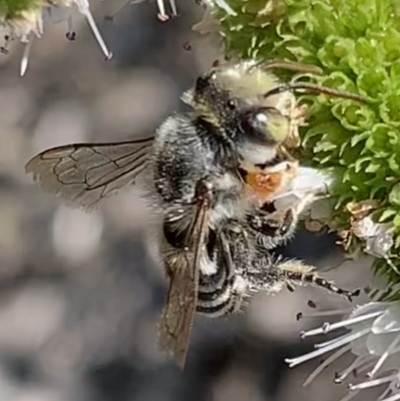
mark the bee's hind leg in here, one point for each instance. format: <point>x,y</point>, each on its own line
<point>295,272</point>
<point>271,274</point>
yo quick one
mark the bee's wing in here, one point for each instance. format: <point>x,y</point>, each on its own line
<point>83,174</point>
<point>178,314</point>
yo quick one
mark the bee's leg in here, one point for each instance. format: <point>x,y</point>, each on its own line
<point>277,227</point>
<point>273,273</point>
<point>314,279</point>
<point>274,230</point>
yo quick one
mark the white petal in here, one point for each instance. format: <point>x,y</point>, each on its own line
<point>308,181</point>
<point>365,228</point>
<point>389,322</point>
<point>379,245</point>
<point>369,308</point>
<point>390,350</point>
<point>377,345</point>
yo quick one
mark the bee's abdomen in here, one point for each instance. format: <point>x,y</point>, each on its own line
<point>219,295</point>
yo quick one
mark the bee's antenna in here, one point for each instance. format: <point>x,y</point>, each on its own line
<point>287,65</point>
<point>313,88</point>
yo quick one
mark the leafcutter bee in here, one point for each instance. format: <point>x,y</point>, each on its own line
<point>194,169</point>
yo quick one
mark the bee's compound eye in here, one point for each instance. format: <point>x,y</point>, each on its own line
<point>261,124</point>
<point>232,104</point>
<point>261,118</point>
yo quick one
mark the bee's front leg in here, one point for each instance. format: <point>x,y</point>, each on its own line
<point>273,229</point>
<point>274,223</point>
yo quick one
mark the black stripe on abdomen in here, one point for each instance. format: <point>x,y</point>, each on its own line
<point>219,307</point>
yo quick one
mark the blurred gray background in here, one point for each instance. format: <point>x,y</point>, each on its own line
<point>80,294</point>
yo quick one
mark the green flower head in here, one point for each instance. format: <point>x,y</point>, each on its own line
<point>357,46</point>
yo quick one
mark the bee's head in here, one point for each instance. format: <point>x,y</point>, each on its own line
<point>247,104</point>
<point>232,99</point>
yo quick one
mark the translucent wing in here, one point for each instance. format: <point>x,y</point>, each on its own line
<point>83,174</point>
<point>178,314</point>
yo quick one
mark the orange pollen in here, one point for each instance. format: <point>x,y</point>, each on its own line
<point>264,184</point>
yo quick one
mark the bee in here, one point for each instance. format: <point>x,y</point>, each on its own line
<point>199,171</point>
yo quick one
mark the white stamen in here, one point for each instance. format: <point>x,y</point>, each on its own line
<point>173,7</point>
<point>385,393</point>
<point>393,397</point>
<point>326,313</point>
<point>70,24</point>
<point>361,359</point>
<point>161,8</point>
<point>328,343</point>
<point>349,396</point>
<point>367,365</point>
<point>343,341</point>
<point>323,365</point>
<point>383,358</point>
<point>25,58</point>
<point>83,6</point>
<point>327,327</point>
<point>70,32</point>
<point>372,383</point>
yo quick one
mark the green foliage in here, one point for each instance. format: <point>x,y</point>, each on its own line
<point>357,44</point>
<point>11,9</point>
